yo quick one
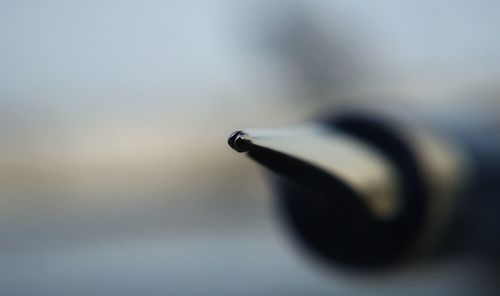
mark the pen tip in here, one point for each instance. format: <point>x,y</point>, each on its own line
<point>239,141</point>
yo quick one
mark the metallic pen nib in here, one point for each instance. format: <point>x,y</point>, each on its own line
<point>239,141</point>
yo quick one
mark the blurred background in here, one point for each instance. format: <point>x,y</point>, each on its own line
<point>115,175</point>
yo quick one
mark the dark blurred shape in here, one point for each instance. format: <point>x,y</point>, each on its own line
<point>325,61</point>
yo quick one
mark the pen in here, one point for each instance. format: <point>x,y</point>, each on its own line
<point>379,188</point>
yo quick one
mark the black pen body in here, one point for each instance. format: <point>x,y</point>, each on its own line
<point>441,168</point>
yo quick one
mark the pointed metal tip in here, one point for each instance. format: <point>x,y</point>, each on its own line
<point>239,141</point>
